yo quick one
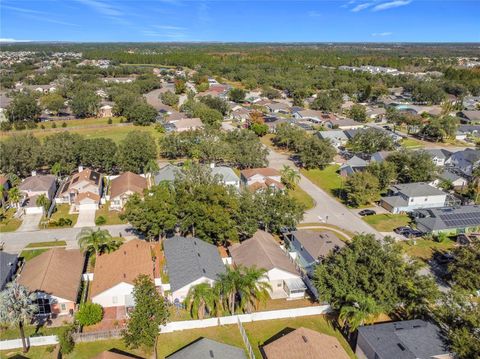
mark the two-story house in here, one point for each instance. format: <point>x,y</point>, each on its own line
<point>410,196</point>
<point>261,178</point>
<point>465,161</point>
<point>82,190</point>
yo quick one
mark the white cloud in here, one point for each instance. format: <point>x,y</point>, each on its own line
<point>382,34</point>
<point>313,13</point>
<point>361,7</point>
<point>391,5</point>
<point>169,27</point>
<point>102,7</point>
<point>4,39</point>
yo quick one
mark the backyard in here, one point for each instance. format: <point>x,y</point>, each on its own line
<point>423,249</point>
<point>303,197</point>
<point>387,222</point>
<point>8,222</point>
<point>327,179</point>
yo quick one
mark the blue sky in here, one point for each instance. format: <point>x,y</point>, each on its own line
<point>233,20</point>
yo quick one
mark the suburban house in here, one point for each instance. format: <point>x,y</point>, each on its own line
<point>34,186</point>
<point>262,251</point>
<point>470,116</point>
<point>82,190</point>
<point>278,107</point>
<point>410,196</point>
<point>465,161</point>
<point>450,220</point>
<point>448,176</point>
<point>304,343</point>
<point>380,156</point>
<point>353,165</point>
<point>261,178</point>
<point>8,267</point>
<point>167,173</point>
<point>240,114</point>
<point>342,123</point>
<point>310,115</point>
<point>439,156</point>
<point>55,276</point>
<point>115,272</point>
<point>190,261</point>
<point>464,132</point>
<point>226,175</point>
<point>308,248</point>
<point>187,124</point>
<point>410,339</point>
<point>208,348</point>
<point>123,187</point>
<point>336,137</point>
<point>105,111</point>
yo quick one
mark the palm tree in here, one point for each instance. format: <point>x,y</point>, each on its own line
<point>290,177</point>
<point>254,289</point>
<point>17,307</point>
<point>43,201</point>
<point>229,284</point>
<point>360,309</point>
<point>56,169</point>
<point>200,300</point>
<point>99,241</point>
<point>15,196</point>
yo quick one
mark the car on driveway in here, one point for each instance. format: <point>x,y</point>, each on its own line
<point>412,233</point>
<point>401,230</point>
<point>367,212</point>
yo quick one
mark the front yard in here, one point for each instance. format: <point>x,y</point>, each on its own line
<point>411,143</point>
<point>303,197</point>
<point>111,217</point>
<point>327,179</point>
<point>423,249</point>
<point>387,222</point>
<point>8,222</point>
<point>61,211</point>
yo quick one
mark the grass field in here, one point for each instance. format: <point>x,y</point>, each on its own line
<point>327,179</point>
<point>29,254</point>
<point>9,224</point>
<point>412,143</point>
<point>89,128</point>
<point>46,244</point>
<point>62,212</point>
<point>342,237</point>
<point>387,222</point>
<point>112,217</point>
<point>303,197</point>
<point>423,249</point>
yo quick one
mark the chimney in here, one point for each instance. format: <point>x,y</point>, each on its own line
<point>212,165</point>
<point>80,168</point>
<point>34,173</point>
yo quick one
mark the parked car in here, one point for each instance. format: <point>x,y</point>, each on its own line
<point>443,258</point>
<point>367,212</point>
<point>413,233</point>
<point>401,230</point>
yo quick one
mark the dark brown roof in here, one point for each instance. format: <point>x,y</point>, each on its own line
<point>318,244</point>
<point>267,172</point>
<point>57,271</point>
<point>126,182</point>
<point>37,183</point>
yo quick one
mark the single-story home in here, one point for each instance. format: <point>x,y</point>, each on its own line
<point>342,123</point>
<point>123,186</point>
<point>465,161</point>
<point>205,348</point>
<point>353,165</point>
<point>115,273</point>
<point>187,124</point>
<point>278,107</point>
<point>451,177</point>
<point>409,339</point>
<point>336,137</point>
<point>466,131</point>
<point>8,267</point>
<point>105,111</point>
<point>310,115</point>
<point>34,186</point>
<point>450,220</point>
<point>262,251</point>
<point>304,343</point>
<point>82,190</point>
<point>190,261</point>
<point>439,156</point>
<point>261,178</point>
<point>470,117</point>
<point>55,277</point>
<point>410,196</point>
<point>170,172</point>
<point>380,156</point>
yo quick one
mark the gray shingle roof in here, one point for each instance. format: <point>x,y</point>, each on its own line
<point>7,260</point>
<point>167,173</point>
<point>417,189</point>
<point>226,173</point>
<point>208,349</point>
<point>438,153</point>
<point>189,259</point>
<point>435,219</point>
<point>411,339</point>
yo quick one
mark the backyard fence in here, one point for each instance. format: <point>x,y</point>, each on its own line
<point>94,336</point>
<point>31,342</point>
<point>245,340</point>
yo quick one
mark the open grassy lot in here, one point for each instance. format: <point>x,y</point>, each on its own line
<point>303,197</point>
<point>267,140</point>
<point>62,212</point>
<point>326,228</point>
<point>387,222</point>
<point>412,143</point>
<point>112,217</point>
<point>423,249</point>
<point>32,253</point>
<point>8,223</point>
<point>260,332</point>
<point>46,244</point>
<point>171,342</point>
<point>327,179</point>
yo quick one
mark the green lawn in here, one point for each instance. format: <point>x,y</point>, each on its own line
<point>423,249</point>
<point>411,143</point>
<point>32,253</point>
<point>303,197</point>
<point>9,224</point>
<point>30,330</point>
<point>112,217</point>
<point>62,212</point>
<point>387,222</point>
<point>260,332</point>
<point>46,244</point>
<point>327,179</point>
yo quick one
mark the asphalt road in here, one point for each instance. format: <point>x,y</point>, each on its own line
<point>327,209</point>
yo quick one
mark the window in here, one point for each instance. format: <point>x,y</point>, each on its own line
<point>279,284</point>
<point>115,299</point>
<point>63,307</point>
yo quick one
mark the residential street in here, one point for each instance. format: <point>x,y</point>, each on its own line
<point>327,209</point>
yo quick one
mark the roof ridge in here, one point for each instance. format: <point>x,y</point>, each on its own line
<point>50,257</point>
<point>265,250</point>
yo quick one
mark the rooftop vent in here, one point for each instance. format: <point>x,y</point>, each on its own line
<point>211,354</point>
<point>304,338</point>
<point>204,271</point>
<point>402,348</point>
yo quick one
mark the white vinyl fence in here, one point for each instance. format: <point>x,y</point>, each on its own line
<point>32,342</point>
<point>244,318</point>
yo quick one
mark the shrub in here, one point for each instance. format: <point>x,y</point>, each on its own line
<point>54,125</point>
<point>110,121</point>
<point>100,220</point>
<point>89,314</point>
<point>19,125</point>
<point>63,222</point>
<point>66,340</point>
<point>5,126</point>
<point>64,124</point>
<point>42,127</point>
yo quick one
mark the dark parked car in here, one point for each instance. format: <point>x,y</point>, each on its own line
<point>443,258</point>
<point>413,233</point>
<point>401,230</point>
<point>367,212</point>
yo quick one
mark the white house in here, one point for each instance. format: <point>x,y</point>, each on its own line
<point>439,156</point>
<point>190,261</point>
<point>262,251</point>
<point>83,190</point>
<point>115,273</point>
<point>259,178</point>
<point>410,196</point>
<point>123,186</point>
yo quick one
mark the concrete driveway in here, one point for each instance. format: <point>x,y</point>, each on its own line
<point>30,222</point>
<point>86,218</point>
